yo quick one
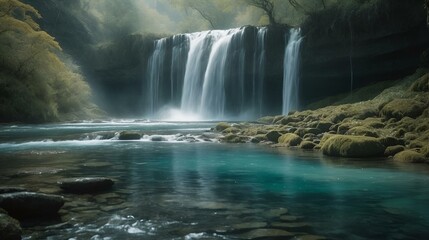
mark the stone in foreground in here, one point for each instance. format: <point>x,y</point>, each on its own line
<point>353,146</point>
<point>28,204</point>
<point>86,185</point>
<point>9,228</point>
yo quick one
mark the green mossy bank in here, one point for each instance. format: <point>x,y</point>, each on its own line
<point>394,124</point>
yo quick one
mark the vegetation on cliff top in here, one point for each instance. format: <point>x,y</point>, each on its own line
<point>36,82</point>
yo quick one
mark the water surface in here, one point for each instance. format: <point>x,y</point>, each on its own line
<point>203,189</point>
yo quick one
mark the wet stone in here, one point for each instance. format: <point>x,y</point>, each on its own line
<point>290,225</point>
<point>275,212</point>
<point>249,225</point>
<point>86,185</point>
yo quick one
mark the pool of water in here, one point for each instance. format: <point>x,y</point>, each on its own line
<point>208,190</point>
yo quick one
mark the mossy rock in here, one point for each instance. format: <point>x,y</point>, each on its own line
<point>289,119</point>
<point>266,120</point>
<point>273,136</point>
<point>373,123</point>
<point>353,146</point>
<point>233,138</point>
<point>231,130</point>
<point>10,228</point>
<point>409,156</point>
<point>337,117</point>
<point>343,128</point>
<point>425,151</point>
<point>361,131</point>
<point>129,135</point>
<point>307,145</point>
<point>393,150</point>
<point>400,108</point>
<point>421,85</point>
<point>222,126</point>
<point>259,138</point>
<point>324,126</point>
<point>290,139</point>
<point>303,131</point>
<point>391,141</point>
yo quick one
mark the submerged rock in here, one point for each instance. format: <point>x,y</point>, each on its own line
<point>10,228</point>
<point>265,233</point>
<point>353,146</point>
<point>86,185</point>
<point>128,135</point>
<point>29,204</point>
<point>158,138</point>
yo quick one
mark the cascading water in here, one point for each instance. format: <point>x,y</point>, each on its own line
<point>219,74</point>
<point>291,72</point>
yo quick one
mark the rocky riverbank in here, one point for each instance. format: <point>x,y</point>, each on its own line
<point>393,124</point>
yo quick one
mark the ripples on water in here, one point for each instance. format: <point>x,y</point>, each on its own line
<point>208,190</point>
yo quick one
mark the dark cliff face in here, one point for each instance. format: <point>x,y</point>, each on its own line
<point>348,50</point>
<point>341,50</point>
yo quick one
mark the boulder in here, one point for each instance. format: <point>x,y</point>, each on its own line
<point>391,141</point>
<point>158,138</point>
<point>128,135</point>
<point>86,184</point>
<point>258,138</point>
<point>307,145</point>
<point>409,156</point>
<point>324,126</point>
<point>29,204</point>
<point>273,136</point>
<point>233,138</point>
<point>361,131</point>
<point>353,146</point>
<point>393,150</point>
<point>221,126</point>
<point>400,108</point>
<point>290,139</point>
<point>10,228</point>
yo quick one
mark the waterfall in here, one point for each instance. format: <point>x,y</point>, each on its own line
<point>291,72</point>
<point>219,74</point>
<point>258,73</point>
<point>156,75</point>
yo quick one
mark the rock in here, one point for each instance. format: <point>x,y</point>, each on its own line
<point>290,225</point>
<point>307,145</point>
<point>353,146</point>
<point>310,237</point>
<point>421,85</point>
<point>361,131</point>
<point>86,185</point>
<point>391,141</point>
<point>258,138</point>
<point>28,204</point>
<point>233,138</point>
<point>231,130</point>
<point>425,151</point>
<point>290,139</point>
<point>11,190</point>
<point>265,233</point>
<point>393,150</point>
<point>400,108</point>
<point>303,131</point>
<point>221,126</point>
<point>250,225</point>
<point>158,138</point>
<point>266,120</point>
<point>10,228</point>
<point>128,135</point>
<point>409,156</point>
<point>324,126</point>
<point>273,136</point>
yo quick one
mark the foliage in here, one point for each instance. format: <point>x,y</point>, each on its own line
<point>35,84</point>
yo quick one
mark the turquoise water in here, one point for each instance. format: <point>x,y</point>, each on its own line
<point>203,189</point>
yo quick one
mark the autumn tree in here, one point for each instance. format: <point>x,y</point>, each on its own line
<point>35,83</point>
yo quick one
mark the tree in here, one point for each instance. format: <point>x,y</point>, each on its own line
<point>35,84</point>
<point>267,6</point>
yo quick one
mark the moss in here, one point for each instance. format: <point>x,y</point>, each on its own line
<point>362,131</point>
<point>409,156</point>
<point>400,108</point>
<point>222,126</point>
<point>307,145</point>
<point>290,139</point>
<point>393,150</point>
<point>231,130</point>
<point>233,138</point>
<point>266,120</point>
<point>352,146</point>
<point>421,85</point>
<point>425,151</point>
<point>391,141</point>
